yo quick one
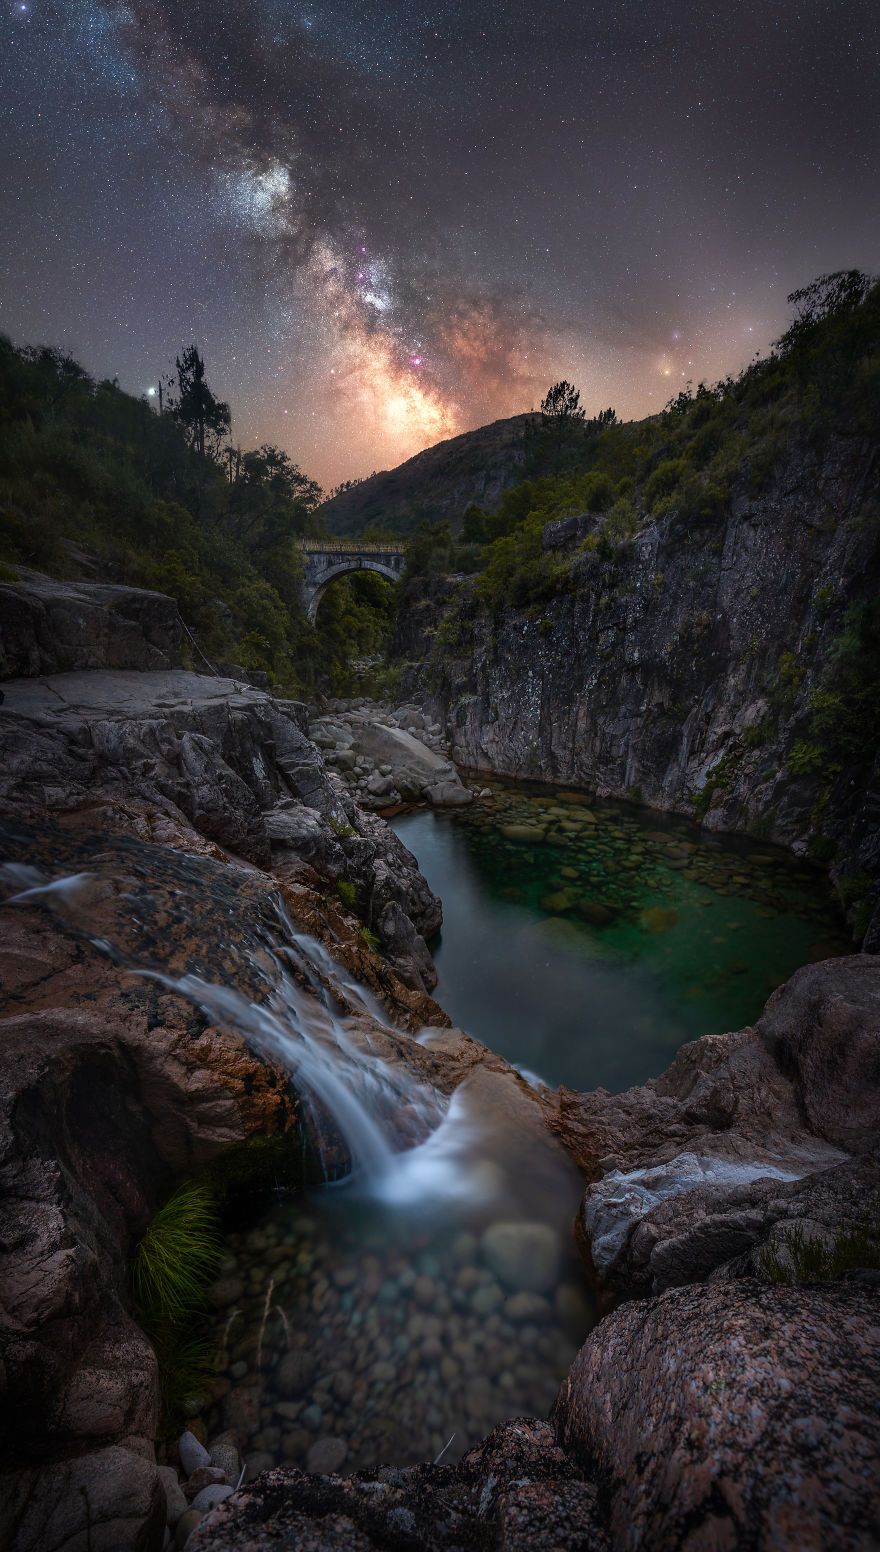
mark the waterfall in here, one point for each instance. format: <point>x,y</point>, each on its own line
<point>328,1056</point>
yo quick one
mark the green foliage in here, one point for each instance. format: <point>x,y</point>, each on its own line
<point>757,735</point>
<point>371,939</point>
<point>807,1258</point>
<point>161,505</point>
<point>170,1270</point>
<point>176,1256</point>
<point>845,706</point>
<point>347,893</point>
<point>804,759</point>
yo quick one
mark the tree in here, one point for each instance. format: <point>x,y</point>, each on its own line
<point>205,418</point>
<point>562,404</point>
<point>473,524</point>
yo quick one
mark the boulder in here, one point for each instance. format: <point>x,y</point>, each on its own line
<point>735,1416</point>
<point>743,1134</point>
<point>51,627</point>
<point>448,794</point>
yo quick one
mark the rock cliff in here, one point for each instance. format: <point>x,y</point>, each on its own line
<point>680,667</point>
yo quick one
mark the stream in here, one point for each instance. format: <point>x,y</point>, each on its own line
<point>586,941</point>
<point>395,1314</point>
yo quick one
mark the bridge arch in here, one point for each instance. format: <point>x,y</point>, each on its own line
<point>326,562</point>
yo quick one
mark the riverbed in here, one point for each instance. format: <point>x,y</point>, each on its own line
<point>586,941</point>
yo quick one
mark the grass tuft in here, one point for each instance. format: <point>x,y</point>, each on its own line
<point>177,1256</point>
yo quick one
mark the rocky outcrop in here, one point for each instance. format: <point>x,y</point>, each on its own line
<point>232,762</point>
<point>708,1418</point>
<point>49,627</point>
<point>745,1138</point>
<point>681,665</point>
<point>387,756</point>
<point>732,1417</point>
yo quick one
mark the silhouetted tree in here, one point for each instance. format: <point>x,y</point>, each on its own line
<point>205,418</point>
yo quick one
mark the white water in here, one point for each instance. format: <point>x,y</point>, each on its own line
<point>328,1057</point>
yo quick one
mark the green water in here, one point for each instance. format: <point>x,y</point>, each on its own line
<point>589,951</point>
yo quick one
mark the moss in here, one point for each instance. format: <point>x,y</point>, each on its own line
<point>804,1258</point>
<point>347,892</point>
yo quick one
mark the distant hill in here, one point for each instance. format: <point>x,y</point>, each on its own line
<point>435,485</point>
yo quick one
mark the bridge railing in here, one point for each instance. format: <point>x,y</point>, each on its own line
<point>342,546</point>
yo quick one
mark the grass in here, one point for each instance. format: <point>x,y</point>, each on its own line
<point>810,1258</point>
<point>177,1256</point>
<point>170,1270</point>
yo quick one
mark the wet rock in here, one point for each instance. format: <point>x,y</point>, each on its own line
<point>524,1255</point>
<point>311,1417</point>
<point>326,1456</point>
<point>720,1421</point>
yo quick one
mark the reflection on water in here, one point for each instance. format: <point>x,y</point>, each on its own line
<point>586,941</point>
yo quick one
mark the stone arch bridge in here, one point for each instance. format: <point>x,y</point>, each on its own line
<point>327,559</point>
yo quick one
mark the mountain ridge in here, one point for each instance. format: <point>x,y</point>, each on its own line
<point>435,485</point>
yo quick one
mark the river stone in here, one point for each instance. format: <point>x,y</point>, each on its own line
<point>448,794</point>
<point>595,913</point>
<point>210,1497</point>
<point>525,1306</point>
<point>185,1527</point>
<point>528,834</point>
<point>524,1255</point>
<point>295,1371</point>
<point>192,1453</point>
<point>224,1454</point>
<point>326,1456</point>
<point>204,1476</point>
<point>227,1290</point>
<point>175,1499</point>
<point>311,1417</point>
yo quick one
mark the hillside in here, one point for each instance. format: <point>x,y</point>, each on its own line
<point>436,485</point>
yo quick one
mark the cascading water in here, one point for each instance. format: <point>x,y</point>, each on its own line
<point>428,1293</point>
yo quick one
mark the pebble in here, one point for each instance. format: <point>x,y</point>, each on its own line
<point>204,1476</point>
<point>175,1500</point>
<point>192,1453</point>
<point>223,1453</point>
<point>185,1527</point>
<point>326,1455</point>
<point>524,1255</point>
<point>295,1444</point>
<point>210,1497</point>
<point>311,1417</point>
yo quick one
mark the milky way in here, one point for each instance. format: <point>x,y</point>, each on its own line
<point>385,224</point>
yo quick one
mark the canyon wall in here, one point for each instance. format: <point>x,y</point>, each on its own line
<point>682,667</point>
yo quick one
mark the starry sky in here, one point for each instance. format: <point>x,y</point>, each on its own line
<point>386,222</point>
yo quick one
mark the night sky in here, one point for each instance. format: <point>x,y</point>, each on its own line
<point>385,223</point>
